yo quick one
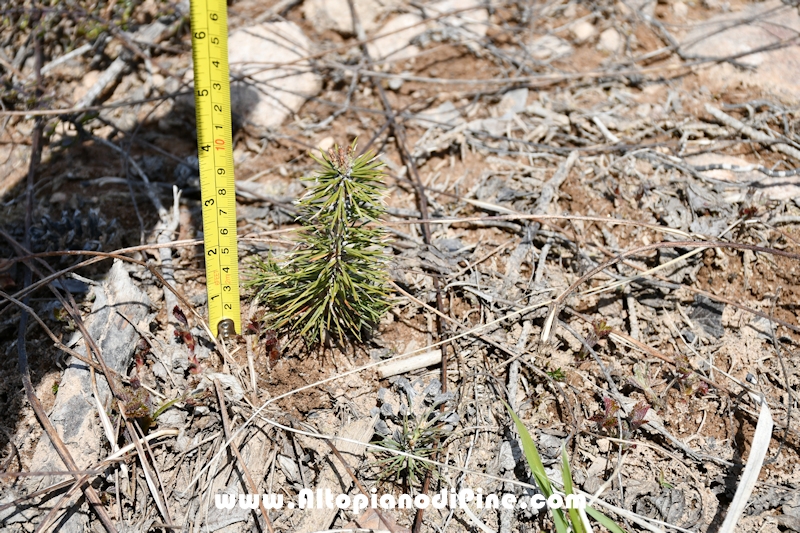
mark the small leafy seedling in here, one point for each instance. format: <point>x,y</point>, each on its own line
<point>607,421</point>
<point>662,480</point>
<point>182,332</point>
<point>333,286</point>
<point>688,383</point>
<point>600,330</point>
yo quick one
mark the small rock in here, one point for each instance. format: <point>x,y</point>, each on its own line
<point>776,70</point>
<point>680,9</point>
<point>15,514</point>
<point>598,468</point>
<point>540,111</point>
<point>397,44</point>
<point>159,80</point>
<point>255,52</point>
<point>583,31</point>
<point>395,84</point>
<point>58,198</point>
<point>592,484</point>
<point>233,389</point>
<point>610,41</point>
<point>493,126</point>
<point>183,442</point>
<point>335,14</point>
<point>762,326</point>
<point>172,418</point>
<point>449,245</point>
<point>550,446</point>
<point>506,457</point>
<point>180,360</point>
<point>160,371</point>
<point>444,114</point>
<point>792,506</point>
<point>326,143</point>
<point>470,15</point>
<point>643,110</point>
<point>513,102</point>
<point>549,46</point>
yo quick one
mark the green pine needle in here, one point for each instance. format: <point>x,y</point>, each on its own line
<point>334,284</point>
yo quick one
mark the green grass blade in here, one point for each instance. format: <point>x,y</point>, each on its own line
<point>605,521</point>
<point>566,475</point>
<point>537,468</point>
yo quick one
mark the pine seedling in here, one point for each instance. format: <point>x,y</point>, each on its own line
<point>333,286</point>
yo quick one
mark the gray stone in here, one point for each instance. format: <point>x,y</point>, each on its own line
<point>172,418</point>
<point>274,84</point>
<point>118,304</point>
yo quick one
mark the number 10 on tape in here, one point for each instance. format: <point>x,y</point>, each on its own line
<point>212,95</point>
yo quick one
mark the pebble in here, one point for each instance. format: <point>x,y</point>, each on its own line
<point>610,41</point>
<point>583,31</point>
<point>680,9</point>
<point>325,144</point>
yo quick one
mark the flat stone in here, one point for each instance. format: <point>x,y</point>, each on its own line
<point>276,86</point>
<point>471,15</point>
<point>402,29</point>
<point>119,305</point>
<point>335,14</point>
<point>513,102</point>
<point>326,143</point>
<point>444,115</point>
<point>777,72</point>
<point>468,15</point>
<point>549,47</point>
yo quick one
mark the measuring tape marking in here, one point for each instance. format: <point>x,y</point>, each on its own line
<point>215,157</point>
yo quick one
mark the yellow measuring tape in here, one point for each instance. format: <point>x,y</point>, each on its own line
<point>212,94</point>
